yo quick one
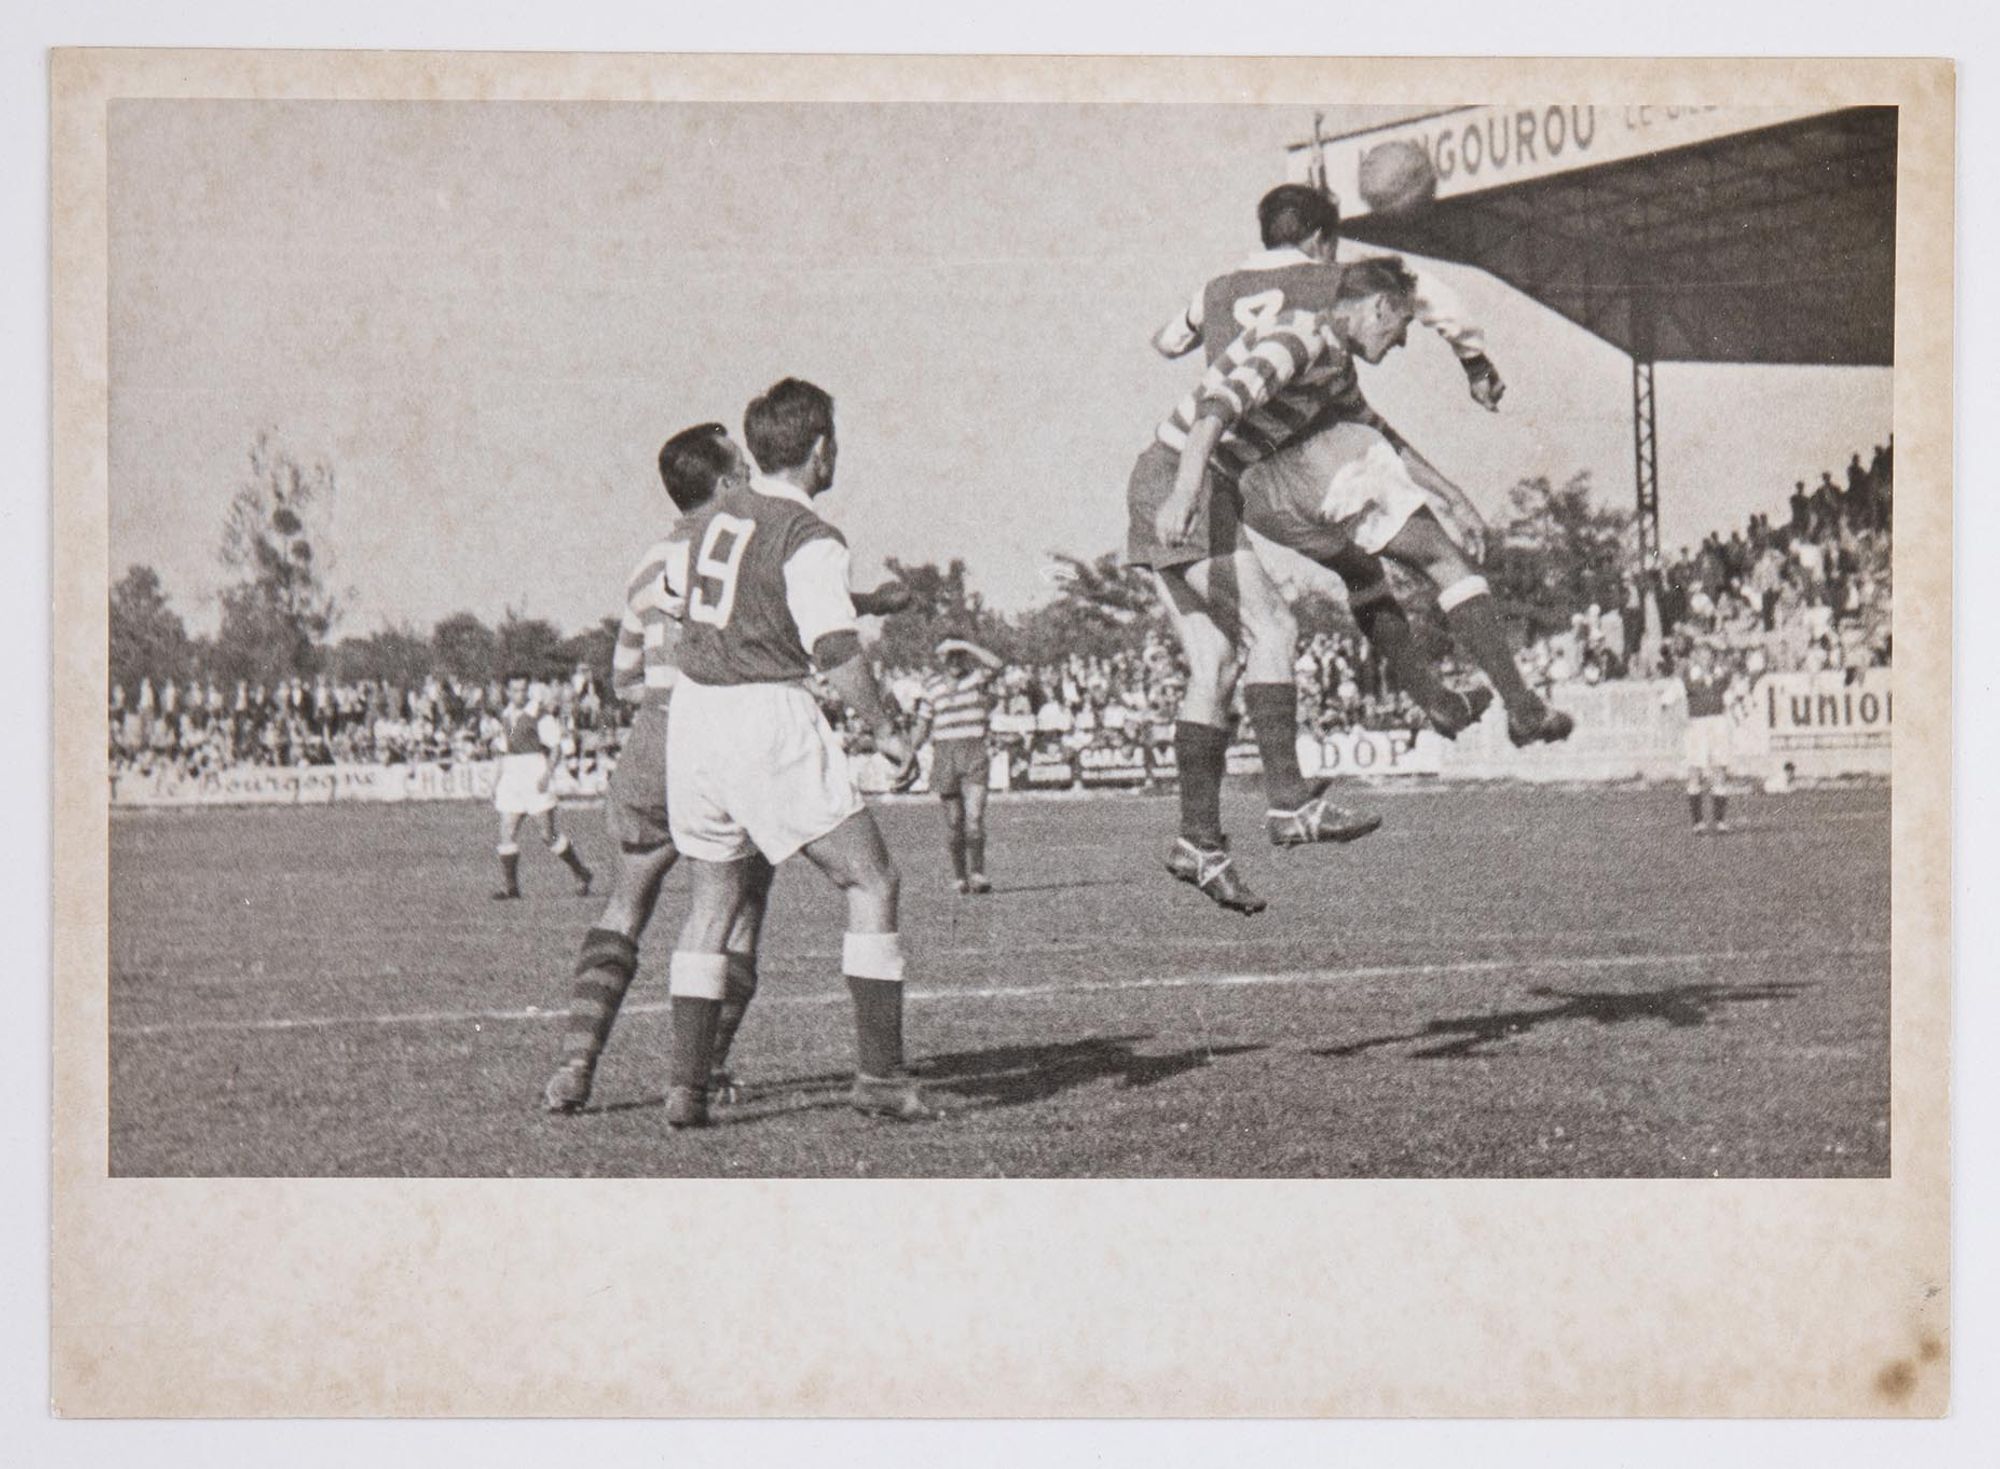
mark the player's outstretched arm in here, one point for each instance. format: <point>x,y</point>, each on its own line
<point>1450,503</point>
<point>1439,309</point>
<point>854,681</point>
<point>1181,335</point>
<point>1175,516</point>
<point>885,601</point>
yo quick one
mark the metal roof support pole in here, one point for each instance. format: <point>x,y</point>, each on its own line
<point>1646,463</point>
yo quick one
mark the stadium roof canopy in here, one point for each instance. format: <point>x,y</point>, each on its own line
<point>1677,234</point>
<point>1702,234</point>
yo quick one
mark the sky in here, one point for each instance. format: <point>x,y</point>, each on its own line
<point>486,317</point>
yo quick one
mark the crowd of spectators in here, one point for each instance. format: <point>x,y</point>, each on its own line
<point>1808,593</point>
<point>1811,592</point>
<point>196,728</point>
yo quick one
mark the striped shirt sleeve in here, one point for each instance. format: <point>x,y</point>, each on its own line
<point>639,658</point>
<point>1258,365</point>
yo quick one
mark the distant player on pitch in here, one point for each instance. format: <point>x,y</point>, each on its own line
<point>753,769</point>
<point>529,737</point>
<point>1704,685</point>
<point>954,714</point>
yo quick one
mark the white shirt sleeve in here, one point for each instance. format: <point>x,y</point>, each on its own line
<point>1439,308</point>
<point>816,590</point>
<point>1183,334</point>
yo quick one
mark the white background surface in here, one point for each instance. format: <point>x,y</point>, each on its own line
<point>1831,27</point>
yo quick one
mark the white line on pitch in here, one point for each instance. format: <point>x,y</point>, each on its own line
<point>1040,991</point>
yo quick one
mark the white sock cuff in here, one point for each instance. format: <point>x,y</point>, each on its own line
<point>872,956</point>
<point>510,850</point>
<point>561,844</point>
<point>697,976</point>
<point>1462,591</point>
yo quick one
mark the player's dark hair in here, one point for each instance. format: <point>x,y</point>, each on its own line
<point>1291,214</point>
<point>518,674</point>
<point>781,427</point>
<point>1379,275</point>
<point>693,462</point>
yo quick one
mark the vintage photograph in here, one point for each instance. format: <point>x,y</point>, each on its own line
<point>969,639</point>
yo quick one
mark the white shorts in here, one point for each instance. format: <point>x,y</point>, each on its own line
<point>753,768</point>
<point>1345,486</point>
<point>1707,743</point>
<point>519,790</point>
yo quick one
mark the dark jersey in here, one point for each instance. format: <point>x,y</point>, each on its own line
<point>1241,299</point>
<point>1244,309</point>
<point>764,578</point>
<point>1707,690</point>
<point>523,731</point>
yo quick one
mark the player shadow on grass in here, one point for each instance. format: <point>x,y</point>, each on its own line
<point>1011,1076</point>
<point>1679,1006</point>
<point>976,1081</point>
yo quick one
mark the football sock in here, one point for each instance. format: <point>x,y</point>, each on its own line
<point>1274,715</point>
<point>1387,628</point>
<point>736,996</point>
<point>873,966</point>
<point>1201,752</point>
<point>958,853</point>
<point>878,1024</point>
<point>1721,803</point>
<point>604,972</point>
<point>694,1041</point>
<point>1474,619</point>
<point>697,982</point>
<point>1694,806</point>
<point>510,869</point>
<point>975,854</point>
<point>564,848</point>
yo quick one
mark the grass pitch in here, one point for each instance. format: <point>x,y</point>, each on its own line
<point>1502,982</point>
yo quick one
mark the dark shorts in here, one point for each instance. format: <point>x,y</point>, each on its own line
<point>1217,527</point>
<point>956,764</point>
<point>635,801</point>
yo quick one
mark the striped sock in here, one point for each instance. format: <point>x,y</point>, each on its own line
<point>604,970</point>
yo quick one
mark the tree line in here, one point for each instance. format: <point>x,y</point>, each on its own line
<point>1558,552</point>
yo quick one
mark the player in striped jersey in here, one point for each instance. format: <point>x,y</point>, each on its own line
<point>693,465</point>
<point>1217,591</point>
<point>529,738</point>
<point>953,714</point>
<point>1350,484</point>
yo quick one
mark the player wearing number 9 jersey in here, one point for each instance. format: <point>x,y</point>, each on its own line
<point>753,769</point>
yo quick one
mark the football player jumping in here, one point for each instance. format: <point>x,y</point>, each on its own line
<point>1351,484</point>
<point>1217,592</point>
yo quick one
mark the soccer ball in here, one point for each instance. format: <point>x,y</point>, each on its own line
<point>1397,177</point>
